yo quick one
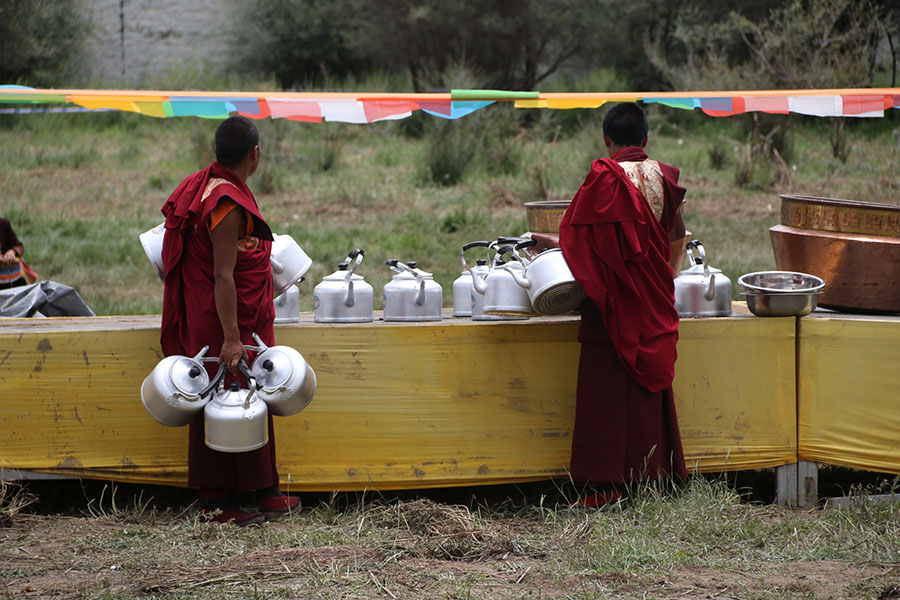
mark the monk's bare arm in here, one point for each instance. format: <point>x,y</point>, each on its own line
<point>224,241</point>
<point>677,243</point>
<point>678,228</point>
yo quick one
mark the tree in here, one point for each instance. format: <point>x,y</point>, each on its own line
<point>300,42</point>
<point>511,44</point>
<point>800,45</point>
<point>813,44</point>
<point>41,41</point>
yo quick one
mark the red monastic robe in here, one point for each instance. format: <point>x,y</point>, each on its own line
<point>190,320</point>
<point>625,423</point>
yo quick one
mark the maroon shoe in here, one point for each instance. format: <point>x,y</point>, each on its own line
<point>238,517</point>
<point>277,506</point>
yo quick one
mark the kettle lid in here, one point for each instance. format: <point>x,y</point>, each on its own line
<point>189,376</point>
<point>697,269</point>
<point>272,368</point>
<point>341,275</point>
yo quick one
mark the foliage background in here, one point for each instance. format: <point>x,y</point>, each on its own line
<point>81,188</point>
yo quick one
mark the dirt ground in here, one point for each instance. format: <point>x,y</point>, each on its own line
<point>128,555</point>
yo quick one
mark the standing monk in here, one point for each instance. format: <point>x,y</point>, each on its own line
<point>616,237</point>
<point>218,292</point>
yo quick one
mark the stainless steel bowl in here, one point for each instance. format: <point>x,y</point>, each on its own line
<point>780,282</point>
<point>780,304</point>
<point>781,293</point>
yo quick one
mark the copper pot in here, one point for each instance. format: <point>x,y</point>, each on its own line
<point>853,246</point>
<point>544,216</point>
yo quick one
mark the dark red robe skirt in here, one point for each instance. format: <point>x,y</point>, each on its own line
<point>623,432</point>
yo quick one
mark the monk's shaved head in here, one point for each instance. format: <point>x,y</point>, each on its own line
<point>235,138</point>
<point>626,124</point>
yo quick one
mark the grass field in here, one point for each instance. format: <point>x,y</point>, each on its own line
<point>80,188</point>
<point>701,540</point>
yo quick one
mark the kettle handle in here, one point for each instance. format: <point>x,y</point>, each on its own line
<point>500,248</point>
<point>356,256</point>
<point>698,258</point>
<point>515,242</point>
<point>260,347</point>
<point>215,381</point>
<point>398,266</point>
<point>245,371</point>
<point>469,246</point>
<point>528,243</point>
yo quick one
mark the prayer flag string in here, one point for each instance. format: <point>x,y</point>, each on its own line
<point>362,107</point>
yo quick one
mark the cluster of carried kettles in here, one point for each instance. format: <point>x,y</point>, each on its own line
<point>235,419</point>
<point>280,380</point>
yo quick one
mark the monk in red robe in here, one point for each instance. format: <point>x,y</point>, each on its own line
<point>616,237</point>
<point>218,292</point>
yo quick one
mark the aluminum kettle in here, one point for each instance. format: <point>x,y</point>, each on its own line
<point>289,263</point>
<point>502,295</point>
<point>287,306</point>
<point>701,290</point>
<point>462,285</point>
<point>412,294</point>
<point>236,419</point>
<point>178,388</point>
<point>284,380</point>
<point>551,286</point>
<point>344,296</point>
<point>481,270</point>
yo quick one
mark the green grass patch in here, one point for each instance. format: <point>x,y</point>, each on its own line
<point>81,188</point>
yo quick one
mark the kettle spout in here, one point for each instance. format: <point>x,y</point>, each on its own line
<point>420,293</point>
<point>711,289</point>
<point>478,283</point>
<point>349,297</point>
<point>521,280</point>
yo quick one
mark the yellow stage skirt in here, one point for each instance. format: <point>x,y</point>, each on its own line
<point>849,391</point>
<point>398,405</point>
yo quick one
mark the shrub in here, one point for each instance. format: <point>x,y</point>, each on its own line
<point>717,155</point>
<point>450,151</point>
<point>41,41</point>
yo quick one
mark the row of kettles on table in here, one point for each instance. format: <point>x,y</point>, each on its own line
<point>506,284</point>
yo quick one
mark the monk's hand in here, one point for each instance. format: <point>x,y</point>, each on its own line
<point>8,257</point>
<point>232,352</point>
<point>544,241</point>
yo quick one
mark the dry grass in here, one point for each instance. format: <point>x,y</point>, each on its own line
<point>700,540</point>
<point>13,500</point>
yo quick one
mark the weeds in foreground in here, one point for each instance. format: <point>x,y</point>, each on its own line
<point>13,500</point>
<point>698,538</point>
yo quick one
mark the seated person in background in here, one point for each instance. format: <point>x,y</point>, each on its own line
<point>616,237</point>
<point>13,270</point>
